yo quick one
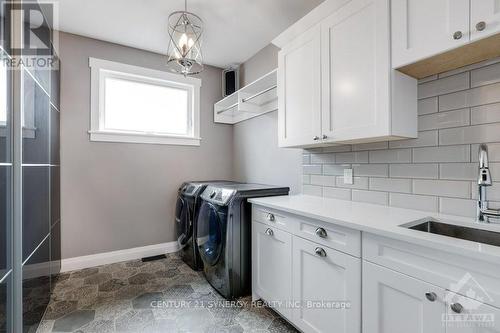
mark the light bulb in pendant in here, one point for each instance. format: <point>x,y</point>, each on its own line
<point>190,47</point>
<point>183,44</point>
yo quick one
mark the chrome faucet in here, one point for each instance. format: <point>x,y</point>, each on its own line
<point>483,212</point>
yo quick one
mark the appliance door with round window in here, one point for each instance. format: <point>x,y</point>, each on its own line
<point>211,233</point>
<point>182,221</point>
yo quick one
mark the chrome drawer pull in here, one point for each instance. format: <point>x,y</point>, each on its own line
<point>320,252</point>
<point>457,307</point>
<point>481,26</point>
<point>431,296</point>
<point>269,232</point>
<point>270,217</point>
<point>320,232</point>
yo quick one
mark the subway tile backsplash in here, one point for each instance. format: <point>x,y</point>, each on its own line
<point>471,97</point>
<point>485,114</point>
<point>444,86</point>
<point>485,75</point>
<point>436,172</point>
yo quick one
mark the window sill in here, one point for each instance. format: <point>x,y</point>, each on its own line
<point>109,136</point>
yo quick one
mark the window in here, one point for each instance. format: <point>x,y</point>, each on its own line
<point>140,105</point>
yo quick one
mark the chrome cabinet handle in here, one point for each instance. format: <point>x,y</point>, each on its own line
<point>320,252</point>
<point>431,296</point>
<point>480,26</point>
<point>457,307</point>
<point>320,232</point>
<point>269,232</point>
<point>457,35</point>
<point>325,136</point>
<point>271,218</point>
<point>316,138</point>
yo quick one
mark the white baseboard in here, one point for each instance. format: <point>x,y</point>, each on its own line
<point>105,258</point>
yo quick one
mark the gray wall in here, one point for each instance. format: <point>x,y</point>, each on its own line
<point>436,172</point>
<point>259,64</point>
<point>118,195</point>
<point>257,157</point>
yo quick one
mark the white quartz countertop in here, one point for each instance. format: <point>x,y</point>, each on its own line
<point>385,221</point>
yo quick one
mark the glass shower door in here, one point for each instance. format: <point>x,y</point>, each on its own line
<point>5,196</point>
<point>29,176</point>
<point>35,200</point>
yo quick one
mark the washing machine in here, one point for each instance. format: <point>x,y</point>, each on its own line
<point>224,235</point>
<point>186,210</point>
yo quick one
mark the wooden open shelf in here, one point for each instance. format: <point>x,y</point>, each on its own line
<point>469,54</point>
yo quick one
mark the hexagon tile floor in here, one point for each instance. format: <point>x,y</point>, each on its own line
<point>157,296</point>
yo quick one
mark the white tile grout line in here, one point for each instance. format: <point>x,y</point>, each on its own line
<point>6,275</point>
<point>39,245</point>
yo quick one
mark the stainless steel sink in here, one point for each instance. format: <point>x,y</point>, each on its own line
<point>456,231</point>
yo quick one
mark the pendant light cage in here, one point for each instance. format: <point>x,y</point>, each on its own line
<point>184,49</point>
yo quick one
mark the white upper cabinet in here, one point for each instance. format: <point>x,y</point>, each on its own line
<point>423,28</point>
<point>336,85</point>
<point>434,36</point>
<point>484,18</point>
<point>356,77</point>
<point>299,90</point>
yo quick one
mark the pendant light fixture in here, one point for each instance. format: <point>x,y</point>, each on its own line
<point>184,49</point>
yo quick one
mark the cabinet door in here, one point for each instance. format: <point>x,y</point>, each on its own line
<point>423,28</point>
<point>272,266</point>
<point>465,315</point>
<point>394,302</point>
<point>356,63</point>
<point>299,95</point>
<point>485,18</point>
<point>321,274</point>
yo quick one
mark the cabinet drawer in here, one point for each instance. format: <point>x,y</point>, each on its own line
<point>271,217</point>
<point>447,270</point>
<point>338,238</point>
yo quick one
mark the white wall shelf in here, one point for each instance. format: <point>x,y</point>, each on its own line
<point>255,99</point>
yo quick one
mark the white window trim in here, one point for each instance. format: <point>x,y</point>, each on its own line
<point>101,68</point>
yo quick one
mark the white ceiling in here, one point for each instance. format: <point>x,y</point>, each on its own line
<point>234,29</point>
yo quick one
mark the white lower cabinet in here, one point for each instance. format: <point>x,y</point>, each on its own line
<point>392,287</point>
<point>323,279</point>
<point>396,303</point>
<point>465,315</point>
<point>316,287</point>
<point>272,256</point>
